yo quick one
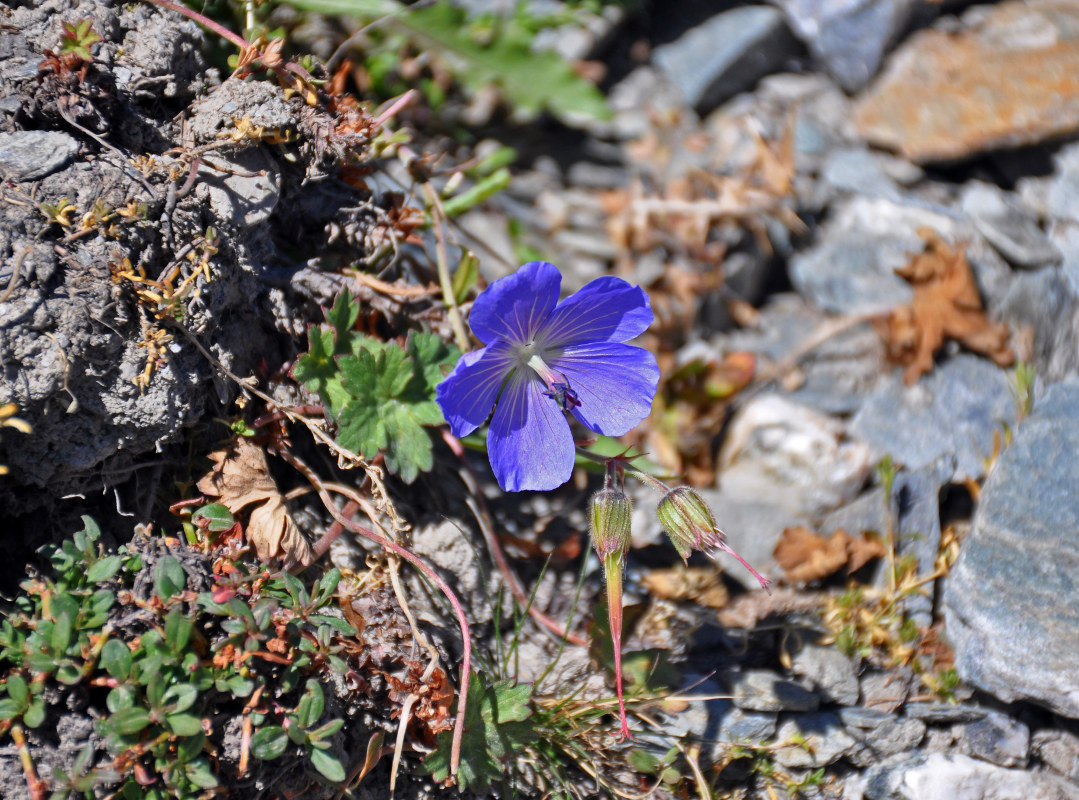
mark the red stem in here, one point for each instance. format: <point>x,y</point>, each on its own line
<point>206,22</point>
<point>462,621</point>
<point>612,568</point>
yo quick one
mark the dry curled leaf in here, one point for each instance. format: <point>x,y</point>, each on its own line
<point>241,477</point>
<point>702,585</point>
<point>946,304</point>
<point>806,556</point>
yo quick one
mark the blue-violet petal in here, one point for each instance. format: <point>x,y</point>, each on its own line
<point>529,441</point>
<point>467,395</point>
<point>606,310</point>
<point>615,383</point>
<point>513,308</point>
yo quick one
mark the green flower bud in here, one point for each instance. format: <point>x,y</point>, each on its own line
<point>611,518</point>
<point>690,525</point>
<point>688,521</point>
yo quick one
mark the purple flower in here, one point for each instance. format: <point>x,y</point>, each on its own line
<point>544,357</point>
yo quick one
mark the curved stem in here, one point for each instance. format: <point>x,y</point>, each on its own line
<point>458,610</point>
<point>205,21</point>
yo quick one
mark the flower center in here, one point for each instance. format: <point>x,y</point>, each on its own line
<point>558,388</point>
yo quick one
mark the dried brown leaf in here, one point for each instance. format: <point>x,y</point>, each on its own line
<point>806,556</point>
<point>241,477</point>
<point>702,585</point>
<point>946,305</point>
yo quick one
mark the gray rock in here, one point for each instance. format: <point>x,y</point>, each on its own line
<point>244,191</point>
<point>858,171</point>
<point>892,735</point>
<point>836,377</point>
<point>943,713</point>
<point>951,412</point>
<point>828,671</point>
<point>740,725</point>
<point>802,460</point>
<point>1007,607</point>
<point>942,776</point>
<point>848,38</point>
<point>997,738</point>
<point>726,54</point>
<point>764,690</point>
<point>1059,750</point>
<point>30,155</point>
<point>1008,227</point>
<point>886,691</point>
<point>753,527</point>
<point>1047,303</point>
<point>825,741</point>
<point>1062,200</point>
<point>851,268</point>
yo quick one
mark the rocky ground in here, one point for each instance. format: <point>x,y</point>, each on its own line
<point>858,226</point>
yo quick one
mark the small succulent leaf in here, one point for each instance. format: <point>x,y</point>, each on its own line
<point>327,585</point>
<point>69,674</point>
<point>129,721</point>
<point>311,704</point>
<point>18,690</point>
<point>217,515</point>
<point>337,623</point>
<point>35,714</point>
<point>328,765</point>
<point>9,709</point>
<point>189,747</point>
<point>181,697</point>
<point>268,743</point>
<point>326,731</point>
<point>178,630</point>
<point>115,659</point>
<point>169,577</point>
<point>183,724</point>
<point>119,698</point>
<point>62,630</point>
<point>103,570</point>
<point>200,774</point>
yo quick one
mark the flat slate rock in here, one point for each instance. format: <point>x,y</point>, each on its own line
<point>849,39</point>
<point>1010,78</point>
<point>30,155</point>
<point>952,412</point>
<point>726,54</point>
<point>1010,605</point>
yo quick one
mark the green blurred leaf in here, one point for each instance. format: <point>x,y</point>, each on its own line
<point>329,765</point>
<point>465,276</point>
<point>218,517</point>
<point>104,569</point>
<point>473,196</point>
<point>115,659</point>
<point>127,721</point>
<point>268,743</point>
<point>169,577</point>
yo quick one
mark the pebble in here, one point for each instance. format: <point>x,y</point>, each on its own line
<point>885,691</point>
<point>893,735</point>
<point>848,39</point>
<point>764,690</point>
<point>1059,750</point>
<point>825,741</point>
<point>951,412</point>
<point>828,671</point>
<point>851,268</point>
<point>799,458</point>
<point>726,54</point>
<point>941,776</point>
<point>1007,226</point>
<point>1007,606</point>
<point>1046,303</point>
<point>1008,77</point>
<point>30,155</point>
<point>246,195</point>
<point>997,738</point>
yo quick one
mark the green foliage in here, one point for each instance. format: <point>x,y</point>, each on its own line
<point>188,660</point>
<point>482,51</point>
<point>381,394</point>
<point>78,38</point>
<point>498,727</point>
